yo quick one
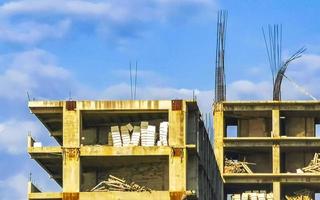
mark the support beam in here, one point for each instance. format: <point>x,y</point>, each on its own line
<point>219,130</point>
<point>177,140</point>
<point>275,123</point>
<point>71,153</point>
<point>276,191</point>
<point>276,159</point>
<point>176,128</point>
<point>177,170</point>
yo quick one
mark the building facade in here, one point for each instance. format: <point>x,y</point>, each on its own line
<point>277,140</point>
<point>96,140</point>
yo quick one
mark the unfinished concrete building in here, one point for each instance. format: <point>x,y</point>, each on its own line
<point>112,138</point>
<point>274,145</point>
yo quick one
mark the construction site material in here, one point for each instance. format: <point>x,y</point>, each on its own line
<point>149,138</point>
<point>235,166</point>
<point>116,184</point>
<point>253,195</point>
<point>303,194</point>
<point>116,138</point>
<point>274,51</point>
<point>220,82</point>
<point>129,127</point>
<point>163,136</point>
<point>135,137</point>
<point>313,167</point>
<point>125,136</point>
<point>132,135</point>
<point>37,144</point>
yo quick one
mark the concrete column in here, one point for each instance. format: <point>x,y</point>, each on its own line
<point>71,155</point>
<point>177,170</point>
<point>176,128</point>
<point>275,123</point>
<point>276,152</point>
<point>276,191</point>
<point>178,157</point>
<point>276,159</point>
<point>219,130</point>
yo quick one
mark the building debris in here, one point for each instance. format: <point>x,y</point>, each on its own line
<point>116,184</point>
<point>303,194</point>
<point>235,166</point>
<point>313,167</point>
<point>253,195</point>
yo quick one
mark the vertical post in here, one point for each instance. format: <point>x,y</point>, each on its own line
<point>276,191</point>
<point>275,123</point>
<point>71,144</point>
<point>275,159</point>
<point>275,147</point>
<point>276,152</point>
<point>219,130</point>
<point>177,134</point>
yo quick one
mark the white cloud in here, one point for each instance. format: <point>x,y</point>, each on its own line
<point>14,187</point>
<point>33,71</point>
<point>112,10</point>
<point>306,73</point>
<point>150,92</point>
<point>14,133</point>
<point>30,32</point>
<point>248,90</point>
<point>108,16</point>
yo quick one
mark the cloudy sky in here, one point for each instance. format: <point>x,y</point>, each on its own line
<point>54,49</point>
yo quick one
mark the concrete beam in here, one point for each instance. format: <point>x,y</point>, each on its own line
<point>271,105</point>
<point>154,195</point>
<point>124,151</point>
<point>269,178</point>
<point>45,195</point>
<point>36,151</point>
<point>301,142</point>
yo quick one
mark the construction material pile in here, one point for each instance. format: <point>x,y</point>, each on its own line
<point>304,194</point>
<point>116,184</point>
<point>235,166</point>
<point>313,167</point>
<point>253,195</point>
<point>144,135</point>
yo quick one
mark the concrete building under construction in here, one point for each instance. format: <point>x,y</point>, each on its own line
<point>150,149</point>
<point>277,141</point>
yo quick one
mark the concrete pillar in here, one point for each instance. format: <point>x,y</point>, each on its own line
<point>71,144</point>
<point>177,170</point>
<point>178,157</point>
<point>176,128</point>
<point>276,152</point>
<point>276,159</point>
<point>219,130</point>
<point>275,123</point>
<point>276,191</point>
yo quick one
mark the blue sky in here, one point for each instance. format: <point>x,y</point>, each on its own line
<point>51,48</point>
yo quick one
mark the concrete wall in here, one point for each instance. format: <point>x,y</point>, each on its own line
<point>258,127</point>
<point>295,160</point>
<point>152,175</point>
<point>263,162</point>
<point>299,126</point>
